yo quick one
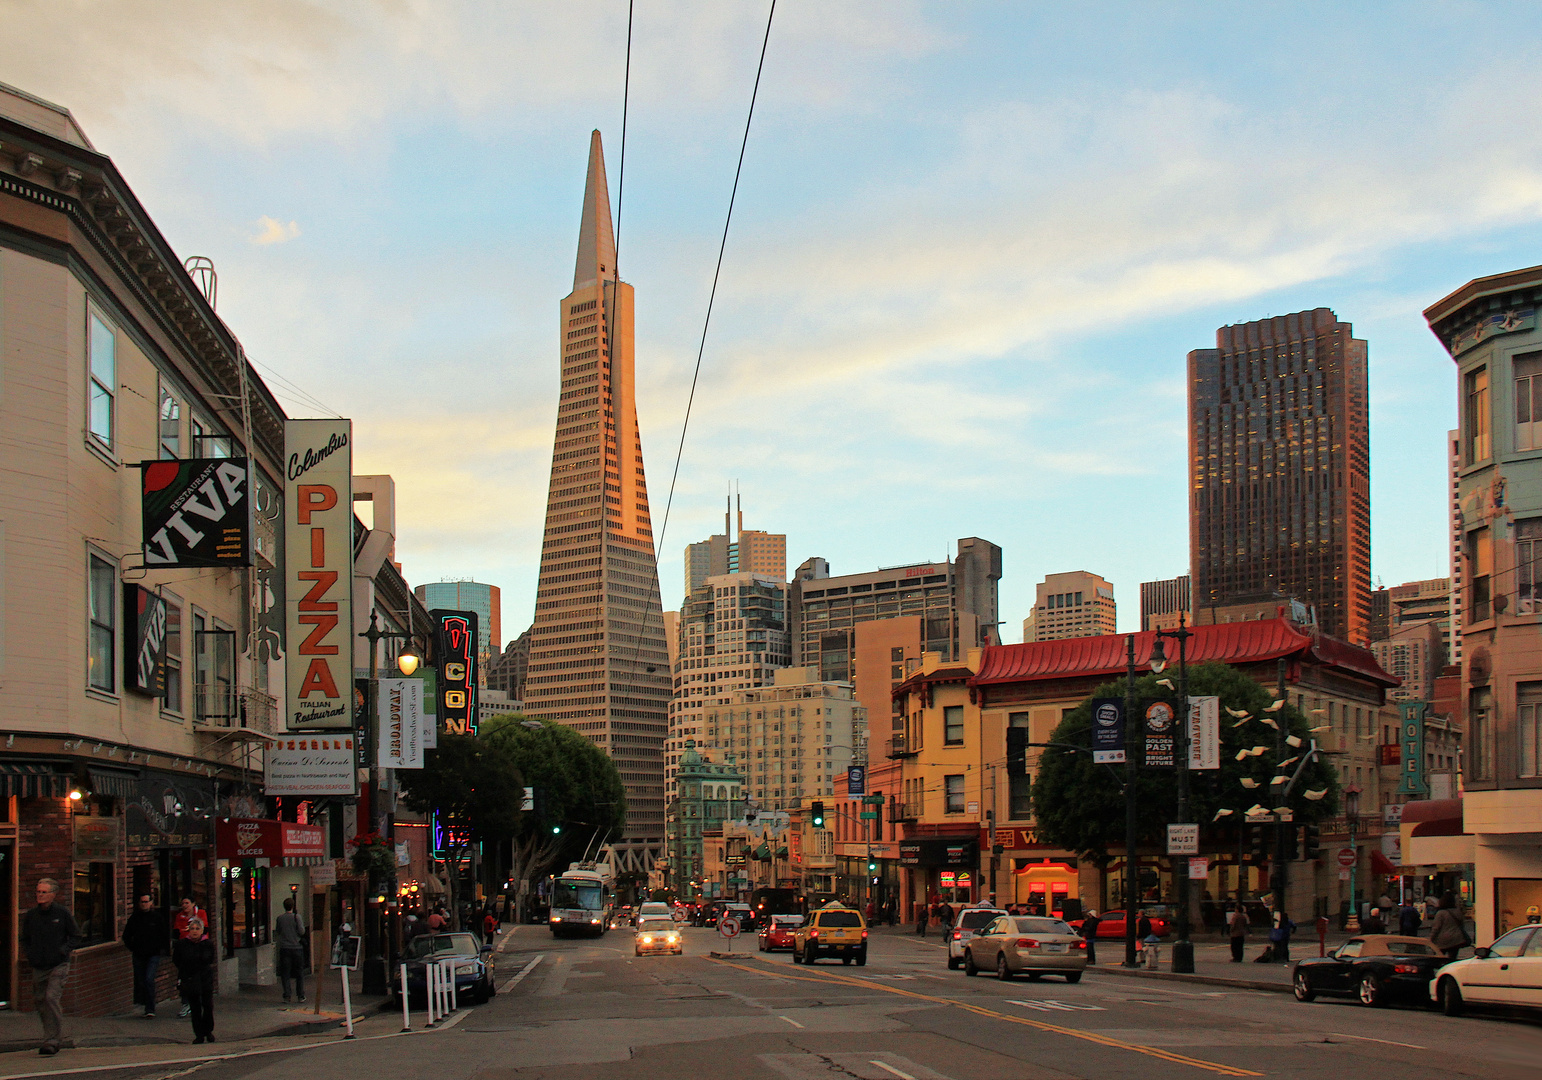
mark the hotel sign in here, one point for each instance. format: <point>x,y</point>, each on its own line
<point>318,573</point>
<point>1411,745</point>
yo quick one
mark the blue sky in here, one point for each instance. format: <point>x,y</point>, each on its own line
<point>973,244</point>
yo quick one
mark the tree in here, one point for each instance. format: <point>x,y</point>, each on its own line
<point>475,787</point>
<point>580,801</point>
<point>1080,806</point>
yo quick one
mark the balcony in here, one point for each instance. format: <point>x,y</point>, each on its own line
<point>899,747</point>
<point>902,812</point>
<point>237,721</point>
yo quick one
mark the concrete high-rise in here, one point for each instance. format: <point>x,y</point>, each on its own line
<point>485,600</point>
<point>741,551</point>
<point>598,660</point>
<point>1162,602</point>
<point>1279,469</point>
<point>1073,604</point>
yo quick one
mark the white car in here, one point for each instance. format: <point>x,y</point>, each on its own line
<point>970,921</point>
<point>1508,972</point>
<point>655,908</point>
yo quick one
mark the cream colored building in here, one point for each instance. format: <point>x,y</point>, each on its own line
<point>1075,604</point>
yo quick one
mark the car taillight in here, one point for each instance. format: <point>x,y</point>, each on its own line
<point>1027,943</point>
<point>1406,969</point>
<point>864,935</point>
<point>1082,945</point>
<point>958,935</point>
<point>813,933</point>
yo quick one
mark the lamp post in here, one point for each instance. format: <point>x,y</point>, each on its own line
<point>1352,813</point>
<point>1131,859</point>
<point>1183,948</point>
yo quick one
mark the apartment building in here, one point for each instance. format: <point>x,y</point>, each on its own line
<point>1162,602</point>
<point>1074,604</point>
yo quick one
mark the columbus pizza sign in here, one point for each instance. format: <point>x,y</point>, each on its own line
<point>318,537</point>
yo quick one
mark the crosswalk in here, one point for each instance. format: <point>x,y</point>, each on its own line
<point>1050,1005</point>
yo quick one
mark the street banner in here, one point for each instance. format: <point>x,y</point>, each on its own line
<point>455,638</point>
<point>1159,734</point>
<point>319,765</point>
<point>1204,733</point>
<point>856,780</point>
<point>1411,748</point>
<point>318,573</point>
<point>399,722</point>
<point>144,629</point>
<point>1108,731</point>
<point>195,512</point>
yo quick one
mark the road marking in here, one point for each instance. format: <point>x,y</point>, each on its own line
<point>791,1021</point>
<point>526,970</point>
<point>886,1067</point>
<point>1048,1005</point>
<point>1385,1042</point>
<point>1087,1036</point>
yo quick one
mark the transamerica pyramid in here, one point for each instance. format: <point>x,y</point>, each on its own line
<point>598,661</point>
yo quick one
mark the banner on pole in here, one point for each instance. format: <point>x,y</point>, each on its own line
<point>1204,733</point>
<point>1108,731</point>
<point>399,717</point>
<point>1159,734</point>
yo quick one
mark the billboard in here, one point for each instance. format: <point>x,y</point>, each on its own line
<point>195,512</point>
<point>322,765</point>
<point>455,647</point>
<point>144,632</point>
<point>318,573</point>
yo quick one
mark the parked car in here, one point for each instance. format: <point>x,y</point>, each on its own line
<point>473,968</point>
<point>969,921</point>
<point>1508,972</point>
<point>657,934</point>
<point>778,932</point>
<point>833,930</point>
<point>1033,945</point>
<point>1111,925</point>
<point>1376,968</point>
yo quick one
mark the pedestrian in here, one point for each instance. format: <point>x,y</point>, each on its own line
<point>1090,932</point>
<point>1279,939</point>
<point>1374,924</point>
<point>923,915</point>
<point>489,926</point>
<point>1237,926</point>
<point>194,956</point>
<point>289,935</point>
<point>185,915</point>
<point>871,912</point>
<point>48,936</point>
<point>436,920</point>
<point>1408,920</point>
<point>1447,932</point>
<point>1143,927</point>
<point>146,936</point>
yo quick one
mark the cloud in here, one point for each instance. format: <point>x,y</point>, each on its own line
<point>273,231</point>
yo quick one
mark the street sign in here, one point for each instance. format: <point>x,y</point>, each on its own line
<point>1183,839</point>
<point>1199,869</point>
<point>873,800</point>
<point>729,927</point>
<point>869,815</point>
<point>1346,857</point>
<point>1285,813</point>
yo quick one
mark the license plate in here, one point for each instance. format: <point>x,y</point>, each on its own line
<point>1054,948</point>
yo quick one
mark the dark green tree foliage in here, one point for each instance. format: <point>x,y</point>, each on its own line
<point>1080,806</point>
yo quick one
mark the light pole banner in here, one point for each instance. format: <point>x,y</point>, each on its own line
<point>318,573</point>
<point>399,712</point>
<point>1204,733</point>
<point>1108,731</point>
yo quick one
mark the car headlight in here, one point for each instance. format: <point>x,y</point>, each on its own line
<point>596,922</point>
<point>647,940</point>
<point>673,938</point>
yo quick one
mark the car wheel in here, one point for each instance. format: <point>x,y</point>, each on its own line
<point>1302,987</point>
<point>953,963</point>
<point>1003,972</point>
<point>1035,976</point>
<point>969,968</point>
<point>1371,990</point>
<point>845,961</point>
<point>1073,977</point>
<point>1450,997</point>
<point>810,954</point>
<point>637,952</point>
<point>862,958</point>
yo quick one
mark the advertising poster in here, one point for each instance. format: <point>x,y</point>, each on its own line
<point>1108,731</point>
<point>318,574</point>
<point>856,780</point>
<point>1159,734</point>
<point>195,512</point>
<point>1204,733</point>
<point>144,628</point>
<point>399,718</point>
<point>319,765</point>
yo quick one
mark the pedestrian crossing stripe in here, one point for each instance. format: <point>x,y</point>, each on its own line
<point>1048,1005</point>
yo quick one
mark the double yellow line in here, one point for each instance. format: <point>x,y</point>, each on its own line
<point>1086,1036</point>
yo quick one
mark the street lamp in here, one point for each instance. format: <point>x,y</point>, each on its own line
<point>1183,948</point>
<point>1352,812</point>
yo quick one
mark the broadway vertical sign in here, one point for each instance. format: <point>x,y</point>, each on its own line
<point>318,573</point>
<point>1204,733</point>
<point>399,713</point>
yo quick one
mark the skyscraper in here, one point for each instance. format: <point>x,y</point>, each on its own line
<point>1161,602</point>
<point>1073,604</point>
<point>485,600</point>
<point>598,661</point>
<point>1279,469</point>
<point>750,551</point>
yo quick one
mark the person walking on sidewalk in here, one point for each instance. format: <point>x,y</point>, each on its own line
<point>194,955</point>
<point>1090,932</point>
<point>1408,920</point>
<point>48,936</point>
<point>1279,939</point>
<point>1447,932</point>
<point>186,914</point>
<point>1237,926</point>
<point>146,935</point>
<point>923,916</point>
<point>289,936</point>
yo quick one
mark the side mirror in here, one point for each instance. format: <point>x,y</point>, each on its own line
<point>1482,952</point>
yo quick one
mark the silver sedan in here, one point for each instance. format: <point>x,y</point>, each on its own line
<point>1034,945</point>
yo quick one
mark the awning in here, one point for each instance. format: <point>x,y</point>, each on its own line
<point>280,842</point>
<point>120,785</point>
<point>1380,864</point>
<point>34,780</point>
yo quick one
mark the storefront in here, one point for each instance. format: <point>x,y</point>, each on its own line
<point>261,863</point>
<point>941,868</point>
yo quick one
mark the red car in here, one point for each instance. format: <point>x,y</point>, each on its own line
<point>777,934</point>
<point>1111,925</point>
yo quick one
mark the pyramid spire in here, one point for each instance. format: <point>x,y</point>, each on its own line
<point>596,238</point>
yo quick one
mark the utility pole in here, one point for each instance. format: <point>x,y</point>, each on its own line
<point>1131,860</point>
<point>1281,875</point>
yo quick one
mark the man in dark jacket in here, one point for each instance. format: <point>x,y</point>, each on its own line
<point>146,936</point>
<point>195,957</point>
<point>1090,932</point>
<point>48,936</point>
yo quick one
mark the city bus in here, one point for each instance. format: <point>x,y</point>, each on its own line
<point>768,902</point>
<point>581,901</point>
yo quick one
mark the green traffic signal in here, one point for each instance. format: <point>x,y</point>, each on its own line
<point>555,829</point>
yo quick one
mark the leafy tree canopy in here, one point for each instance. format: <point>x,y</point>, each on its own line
<point>471,782</point>
<point>1080,806</point>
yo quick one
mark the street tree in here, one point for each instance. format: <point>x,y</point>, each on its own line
<point>1080,806</point>
<point>475,787</point>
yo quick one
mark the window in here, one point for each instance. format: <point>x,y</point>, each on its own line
<point>1475,420</point>
<point>207,443</point>
<point>171,701</point>
<point>100,665</point>
<point>1528,550</point>
<point>1528,401</point>
<point>170,425</point>
<point>1480,564</point>
<point>896,655</point>
<point>953,787</point>
<point>103,386</point>
<point>953,725</point>
<point>1528,724</point>
<point>1020,788</point>
<point>1480,731</point>
<point>93,901</point>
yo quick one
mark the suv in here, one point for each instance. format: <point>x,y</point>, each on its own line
<point>833,930</point>
<point>970,921</point>
<point>743,912</point>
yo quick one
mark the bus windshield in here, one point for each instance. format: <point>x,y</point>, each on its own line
<point>565,895</point>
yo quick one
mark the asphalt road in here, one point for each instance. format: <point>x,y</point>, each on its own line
<point>590,1010</point>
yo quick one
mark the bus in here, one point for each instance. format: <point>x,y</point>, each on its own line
<point>767,902</point>
<point>581,901</point>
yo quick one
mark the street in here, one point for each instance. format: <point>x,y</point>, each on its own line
<point>590,1010</point>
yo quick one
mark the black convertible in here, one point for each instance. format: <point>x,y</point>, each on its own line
<point>1376,968</point>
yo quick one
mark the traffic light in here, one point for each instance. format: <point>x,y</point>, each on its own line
<point>1017,751</point>
<point>1311,841</point>
<point>872,866</point>
<point>1256,846</point>
<point>1290,847</point>
<point>816,812</point>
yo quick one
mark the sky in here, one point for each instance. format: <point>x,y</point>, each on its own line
<point>972,245</point>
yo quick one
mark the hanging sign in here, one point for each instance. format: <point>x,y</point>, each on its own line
<point>318,573</point>
<point>195,512</point>
<point>856,780</point>
<point>1108,731</point>
<point>455,638</point>
<point>1204,733</point>
<point>1199,869</point>
<point>1183,839</point>
<point>399,715</point>
<point>1159,734</point>
<point>319,765</point>
<point>1411,748</point>
<point>144,626</point>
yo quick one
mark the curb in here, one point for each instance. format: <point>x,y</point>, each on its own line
<point>1209,980</point>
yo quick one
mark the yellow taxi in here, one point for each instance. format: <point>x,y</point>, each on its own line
<point>833,930</point>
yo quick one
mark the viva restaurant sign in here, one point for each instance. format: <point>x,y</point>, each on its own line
<point>318,568</point>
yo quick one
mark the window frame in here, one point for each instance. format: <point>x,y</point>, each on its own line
<point>950,714</point>
<point>94,384</point>
<point>169,449</point>
<point>95,626</point>
<point>175,645</point>
<point>1477,417</point>
<point>948,794</point>
<point>1528,730</point>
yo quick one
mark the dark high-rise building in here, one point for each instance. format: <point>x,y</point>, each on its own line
<point>1161,602</point>
<point>1279,468</point>
<point>598,661</point>
<point>507,673</point>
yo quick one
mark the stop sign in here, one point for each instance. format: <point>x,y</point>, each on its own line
<point>1346,857</point>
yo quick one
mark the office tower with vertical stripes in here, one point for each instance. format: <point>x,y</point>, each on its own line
<point>598,661</point>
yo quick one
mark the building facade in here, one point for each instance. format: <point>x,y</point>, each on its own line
<point>706,795</point>
<point>507,672</point>
<point>485,600</point>
<point>745,551</point>
<point>598,660</point>
<point>1161,603</point>
<point>1074,604</point>
<point>1279,468</point>
<point>1416,656</point>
